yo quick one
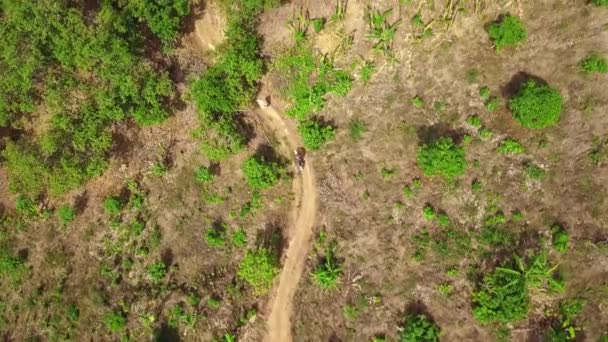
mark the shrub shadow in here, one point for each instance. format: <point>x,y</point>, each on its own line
<point>430,134</point>
<point>512,87</point>
<point>271,237</point>
<point>166,334</point>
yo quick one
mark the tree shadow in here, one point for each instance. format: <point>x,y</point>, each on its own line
<point>430,134</point>
<point>271,237</point>
<point>166,334</point>
<point>512,87</point>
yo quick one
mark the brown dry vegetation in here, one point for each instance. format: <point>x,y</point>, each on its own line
<point>362,210</point>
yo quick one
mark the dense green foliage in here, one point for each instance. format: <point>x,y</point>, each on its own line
<point>112,205</point>
<point>260,173</point>
<point>510,146</point>
<point>442,158</point>
<point>258,268</point>
<point>536,105</point>
<point>594,64</point>
<point>508,31</point>
<point>85,75</point>
<point>315,133</point>
<point>419,328</point>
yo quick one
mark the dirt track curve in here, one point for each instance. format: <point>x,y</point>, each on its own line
<point>299,234</point>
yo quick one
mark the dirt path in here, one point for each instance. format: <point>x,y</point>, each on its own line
<point>299,234</point>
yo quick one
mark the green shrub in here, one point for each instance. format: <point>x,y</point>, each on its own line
<point>419,328</point>
<point>159,169</point>
<point>560,238</point>
<point>204,175</point>
<point>510,146</point>
<point>239,238</point>
<point>492,104</point>
<point>594,63</point>
<point>66,213</point>
<point>12,268</point>
<point>366,72</point>
<point>356,128</point>
<point>484,93</point>
<point>115,321</point>
<point>157,271</point>
<point>163,18</point>
<point>535,172</point>
<point>442,158</point>
<point>261,174</point>
<point>428,212</point>
<point>258,268</point>
<point>443,220</point>
<point>112,205</point>
<point>327,273</point>
<point>216,236</point>
<point>508,31</point>
<point>536,105</point>
<point>417,102</point>
<point>25,207</point>
<point>600,2</point>
<point>474,121</point>
<point>315,134</point>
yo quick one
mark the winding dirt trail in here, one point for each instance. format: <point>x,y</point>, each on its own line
<point>299,234</point>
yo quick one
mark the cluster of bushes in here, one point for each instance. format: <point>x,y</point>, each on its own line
<point>47,47</point>
<point>536,105</point>
<point>508,31</point>
<point>260,173</point>
<point>230,84</point>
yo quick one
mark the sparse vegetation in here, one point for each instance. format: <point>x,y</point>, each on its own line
<point>594,64</point>
<point>380,30</point>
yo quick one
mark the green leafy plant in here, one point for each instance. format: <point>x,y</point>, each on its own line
<point>12,268</point>
<point>159,169</point>
<point>474,121</point>
<point>594,64</point>
<point>600,2</point>
<point>66,213</point>
<point>216,236</point>
<point>112,205</point>
<point>25,207</point>
<point>157,271</point>
<point>535,172</point>
<point>563,328</point>
<point>258,268</point>
<point>536,105</point>
<point>510,146</point>
<point>260,173</point>
<point>561,238</point>
<point>315,134</point>
<point>507,31</point>
<point>204,175</point>
<point>419,328</point>
<point>239,238</point>
<point>428,212</point>
<point>417,102</point>
<point>327,273</point>
<point>115,321</point>
<point>366,72</point>
<point>380,31</point>
<point>442,158</point>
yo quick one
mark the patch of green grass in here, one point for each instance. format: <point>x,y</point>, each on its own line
<point>258,268</point>
<point>25,207</point>
<point>600,2</point>
<point>419,328</point>
<point>484,93</point>
<point>445,289</point>
<point>159,169</point>
<point>366,72</point>
<point>508,31</point>
<point>356,128</point>
<point>476,186</point>
<point>216,236</point>
<point>472,75</point>
<point>536,105</point>
<point>443,220</point>
<point>510,146</point>
<point>112,205</point>
<point>387,172</point>
<point>442,158</point>
<point>417,20</point>
<point>485,133</point>
<point>12,268</point>
<point>594,64</point>
<point>214,303</point>
<point>492,104</point>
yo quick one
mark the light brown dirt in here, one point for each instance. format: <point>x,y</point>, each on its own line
<point>299,235</point>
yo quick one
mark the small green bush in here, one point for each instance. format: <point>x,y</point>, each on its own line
<point>25,207</point>
<point>417,102</point>
<point>508,31</point>
<point>510,146</point>
<point>356,128</point>
<point>594,63</point>
<point>157,271</point>
<point>442,158</point>
<point>159,169</point>
<point>428,212</point>
<point>443,220</point>
<point>484,93</point>
<point>216,236</point>
<point>315,134</point>
<point>261,174</point>
<point>560,238</point>
<point>66,213</point>
<point>535,172</point>
<point>600,2</point>
<point>536,105</point>
<point>115,321</point>
<point>204,175</point>
<point>239,238</point>
<point>258,268</point>
<point>328,272</point>
<point>419,328</point>
<point>474,121</point>
<point>112,205</point>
